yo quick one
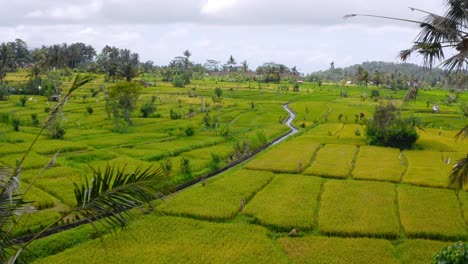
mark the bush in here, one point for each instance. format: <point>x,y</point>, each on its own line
<point>178,81</point>
<point>375,93</point>
<point>47,109</point>
<point>90,110</point>
<point>147,109</point>
<point>189,131</point>
<point>58,132</point>
<point>185,166</point>
<point>175,115</point>
<point>387,129</point>
<point>22,100</point>
<point>166,166</point>
<point>454,254</point>
<point>34,120</point>
<point>215,162</point>
<point>15,123</point>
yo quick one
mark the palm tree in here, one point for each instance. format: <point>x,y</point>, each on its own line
<point>458,177</point>
<point>439,33</point>
<point>107,198</point>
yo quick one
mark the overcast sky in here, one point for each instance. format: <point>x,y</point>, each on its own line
<point>308,34</point>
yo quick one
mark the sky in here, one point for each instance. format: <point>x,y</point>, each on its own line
<point>308,34</point>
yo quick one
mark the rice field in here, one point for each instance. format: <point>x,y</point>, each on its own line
<point>287,202</point>
<point>220,198</point>
<point>430,213</point>
<point>324,250</point>
<point>299,154</point>
<point>372,212</point>
<point>377,163</point>
<point>358,208</point>
<point>429,168</point>
<point>333,161</point>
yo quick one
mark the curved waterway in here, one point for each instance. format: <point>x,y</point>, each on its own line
<point>179,188</point>
<point>288,122</point>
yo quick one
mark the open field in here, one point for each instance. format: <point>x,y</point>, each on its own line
<point>431,213</point>
<point>299,154</point>
<point>358,208</point>
<point>288,202</point>
<point>333,161</point>
<point>372,209</point>
<point>376,163</point>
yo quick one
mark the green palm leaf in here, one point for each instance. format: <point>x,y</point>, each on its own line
<point>459,174</point>
<point>112,192</point>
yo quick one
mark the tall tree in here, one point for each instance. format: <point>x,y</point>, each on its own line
<point>231,63</point>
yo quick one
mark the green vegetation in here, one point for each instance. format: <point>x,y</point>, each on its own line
<point>377,163</point>
<point>219,198</point>
<point>337,250</point>
<point>358,208</point>
<point>430,213</point>
<point>300,152</point>
<point>333,161</point>
<point>288,202</point>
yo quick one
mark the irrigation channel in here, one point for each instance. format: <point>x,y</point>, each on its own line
<point>183,186</point>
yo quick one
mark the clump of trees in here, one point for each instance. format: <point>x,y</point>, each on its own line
<point>387,128</point>
<point>121,101</point>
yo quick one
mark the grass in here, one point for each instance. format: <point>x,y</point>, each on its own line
<point>358,208</point>
<point>377,163</point>
<point>178,240</point>
<point>219,198</point>
<point>333,161</point>
<point>430,213</point>
<point>289,201</point>
<point>316,249</point>
<point>429,168</point>
<point>299,153</point>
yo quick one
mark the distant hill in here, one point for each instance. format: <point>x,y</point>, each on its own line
<point>406,71</point>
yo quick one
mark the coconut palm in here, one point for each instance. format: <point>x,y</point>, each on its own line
<point>107,198</point>
<point>439,33</point>
<point>458,177</point>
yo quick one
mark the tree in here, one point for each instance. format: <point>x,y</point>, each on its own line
<point>458,177</point>
<point>122,98</point>
<point>106,199</point>
<point>128,64</point>
<point>187,62</point>
<point>245,66</point>
<point>6,58</point>
<point>386,128</point>
<point>231,63</point>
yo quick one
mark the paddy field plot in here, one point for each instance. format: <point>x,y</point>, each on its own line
<point>178,240</point>
<point>290,157</point>
<point>378,163</point>
<point>419,251</point>
<point>429,168</point>
<point>287,202</point>
<point>317,249</point>
<point>333,161</point>
<point>358,208</point>
<point>430,213</point>
<point>219,198</point>
<point>337,133</point>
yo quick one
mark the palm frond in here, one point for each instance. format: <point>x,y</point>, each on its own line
<point>411,95</point>
<point>458,177</point>
<point>112,192</point>
<point>462,134</point>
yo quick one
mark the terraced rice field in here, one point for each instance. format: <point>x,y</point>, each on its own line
<point>299,154</point>
<point>333,161</point>
<point>377,163</point>
<point>288,202</point>
<point>358,208</point>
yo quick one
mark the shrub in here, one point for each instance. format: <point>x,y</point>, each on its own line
<point>218,92</point>
<point>386,128</point>
<point>47,109</point>
<point>22,100</point>
<point>178,81</point>
<point>189,131</point>
<point>15,123</point>
<point>375,93</point>
<point>166,166</point>
<point>175,115</point>
<point>90,110</point>
<point>58,132</point>
<point>185,166</point>
<point>454,254</point>
<point>147,109</point>
<point>215,162</point>
<point>34,120</point>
